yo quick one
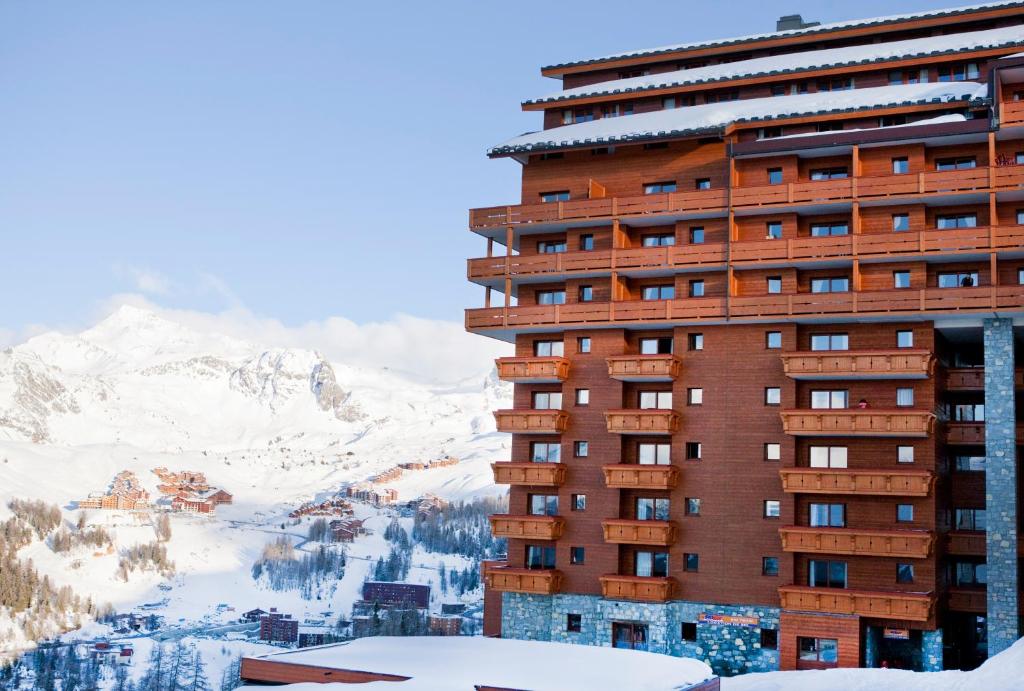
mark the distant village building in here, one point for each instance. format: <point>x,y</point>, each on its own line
<point>125,494</point>
<point>315,635</point>
<point>276,627</point>
<point>253,615</point>
<point>330,507</point>
<point>377,496</point>
<point>441,625</point>
<point>388,593</point>
<point>346,530</point>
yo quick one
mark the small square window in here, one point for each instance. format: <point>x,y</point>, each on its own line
<point>1020,276</point>
<point>774,285</point>
<point>692,506</point>
<point>695,396</point>
<point>904,573</point>
<point>693,450</point>
<point>586,243</point>
<point>769,566</point>
<point>583,344</point>
<point>573,623</point>
<point>577,555</point>
<point>904,397</point>
<point>900,222</point>
<point>697,289</point>
<point>691,562</point>
<point>1020,212</point>
<point>581,449</point>
<point>773,340</point>
<point>689,631</point>
<point>900,166</point>
<point>695,341</point>
<point>773,395</point>
<point>900,279</point>
<point>775,176</point>
<point>904,339</point>
<point>586,293</point>
<point>773,230</point>
<point>702,184</point>
<point>579,502</point>
<point>772,508</point>
<point>582,396</point>
<point>697,235</point>
<point>904,513</point>
<point>905,454</point>
<point>769,639</point>
<point>772,452</point>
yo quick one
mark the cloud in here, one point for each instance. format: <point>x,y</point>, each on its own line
<point>144,280</point>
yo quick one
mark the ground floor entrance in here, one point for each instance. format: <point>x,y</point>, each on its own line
<point>895,648</point>
<point>966,640</point>
<point>629,635</point>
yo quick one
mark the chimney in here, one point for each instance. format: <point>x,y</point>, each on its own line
<point>793,21</point>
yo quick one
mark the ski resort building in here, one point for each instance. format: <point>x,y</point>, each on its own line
<point>765,295</point>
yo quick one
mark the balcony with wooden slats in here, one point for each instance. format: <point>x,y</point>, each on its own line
<point>859,364</point>
<point>967,600</point>
<point>966,543</point>
<point>886,483</point>
<point>642,421</point>
<point>529,474</point>
<point>910,544</point>
<point>640,476</point>
<point>527,527</point>
<point>533,370</point>
<point>533,581</point>
<point>965,433</point>
<point>641,588</point>
<point>865,603</point>
<point>644,368</point>
<point>531,421</point>
<point>856,422</point>
<point>620,531</point>
<point>973,379</point>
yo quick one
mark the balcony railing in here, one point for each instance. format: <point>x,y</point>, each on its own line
<point>911,544</point>
<point>619,258</point>
<point>637,476</point>
<point>1011,113</point>
<point>642,588</point>
<point>857,423</point>
<point>533,581</point>
<point>531,421</point>
<point>865,603</point>
<point>973,379</point>
<point>893,483</point>
<point>968,600</point>
<point>859,364</point>
<point>630,532</point>
<point>532,474</point>
<point>646,421</point>
<point>596,313</point>
<point>527,527</point>
<point>965,433</point>
<point>533,370</point>
<point>966,543</point>
<point>644,368</point>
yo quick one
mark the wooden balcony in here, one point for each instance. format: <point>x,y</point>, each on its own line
<point>885,483</point>
<point>647,421</point>
<point>973,379</point>
<point>628,532</point>
<point>966,543</point>
<point>1011,113</point>
<point>636,476</point>
<point>596,313</point>
<point>530,421</point>
<point>965,432</point>
<point>531,474</point>
<point>618,258</point>
<point>865,603</point>
<point>911,544</point>
<point>533,370</point>
<point>527,527</point>
<point>642,588</point>
<point>644,368</point>
<point>534,581</point>
<point>968,600</point>
<point>859,364</point>
<point>857,423</point>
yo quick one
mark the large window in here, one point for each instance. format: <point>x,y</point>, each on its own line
<point>958,279</point>
<point>827,515</point>
<point>545,400</point>
<point>839,173</point>
<point>651,509</point>
<point>544,452</point>
<point>969,519</point>
<point>660,240</point>
<point>837,284</point>
<point>820,230</point>
<point>659,187</point>
<point>958,73</point>
<point>560,196</point>
<point>651,564</point>
<point>967,412</point>
<point>830,341</point>
<point>824,399</point>
<point>548,348</point>
<point>654,454</point>
<point>655,400</point>
<point>828,457</point>
<point>950,221</point>
<point>969,574</point>
<point>543,504</point>
<point>826,574</point>
<point>819,650</point>
<point>538,557</point>
<point>656,346</point>
<point>551,246</point>
<point>666,292</point>
<point>550,297</point>
<point>959,163</point>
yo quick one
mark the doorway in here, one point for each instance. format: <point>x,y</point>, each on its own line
<point>629,635</point>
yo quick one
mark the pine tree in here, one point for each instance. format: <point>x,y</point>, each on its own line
<point>196,676</point>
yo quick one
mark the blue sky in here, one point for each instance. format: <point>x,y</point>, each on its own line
<point>295,160</point>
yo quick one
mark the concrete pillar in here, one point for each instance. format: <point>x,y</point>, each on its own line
<point>1001,486</point>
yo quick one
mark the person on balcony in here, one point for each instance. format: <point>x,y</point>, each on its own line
<point>863,404</point>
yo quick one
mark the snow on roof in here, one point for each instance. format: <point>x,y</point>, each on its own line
<point>462,662</point>
<point>713,117</point>
<point>821,28</point>
<point>938,120</point>
<point>794,62</point>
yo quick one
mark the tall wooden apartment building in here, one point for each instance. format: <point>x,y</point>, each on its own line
<point>765,294</point>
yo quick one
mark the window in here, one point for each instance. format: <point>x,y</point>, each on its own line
<point>543,504</point>
<point>904,573</point>
<point>969,519</point>
<point>830,174</point>
<point>695,396</point>
<point>652,509</point>
<point>722,96</point>
<point>967,412</point>
<point>586,242</point>
<point>655,400</point>
<point>548,348</point>
<point>653,454</point>
<point>651,146</point>
<point>695,341</point>
<point>947,222</point>
<point>773,340</point>
<point>583,344</point>
<point>579,502</point>
<point>691,561</point>
<point>577,555</point>
<point>659,187</point>
<point>649,564</point>
<point>658,292</point>
<point>697,235</point>
<point>769,132</point>
<point>904,398</point>
<point>774,285</point>
<point>1020,212</point>
<point>958,279</point>
<point>581,449</point>
<point>830,342</point>
<point>656,346</point>
<point>551,156</point>
<point>904,454</point>
<point>834,126</point>
<point>901,279</point>
<point>773,395</point>
<point>900,166</point>
<point>827,457</point>
<point>970,574</point>
<point>696,288</point>
<point>969,464</point>
<point>821,230</point>
<point>836,84</point>
<point>582,396</point>
<point>688,631</point>
<point>693,450</point>
<point>825,399</point>
<point>586,293</point>
<point>775,176</point>
<point>1020,276</point>
<point>822,650</point>
<point>958,73</point>
<point>900,222</point>
<point>772,451</point>
<point>668,103</point>
<point>560,196</point>
<point>574,622</point>
<point>827,515</point>
<point>551,246</point>
<point>538,557</point>
<point>892,120</point>
<point>658,240</point>
<point>615,110</point>
<point>692,506</point>
<point>904,513</point>
<point>603,150</point>
<point>702,183</point>
<point>550,297</point>
<point>773,230</point>
<point>961,163</point>
<point>769,566</point>
<point>544,400</point>
<point>837,284</point>
<point>772,508</point>
<point>904,339</point>
<point>826,574</point>
<point>544,452</point>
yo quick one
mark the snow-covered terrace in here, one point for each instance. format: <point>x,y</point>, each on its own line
<point>713,118</point>
<point>1006,37</point>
